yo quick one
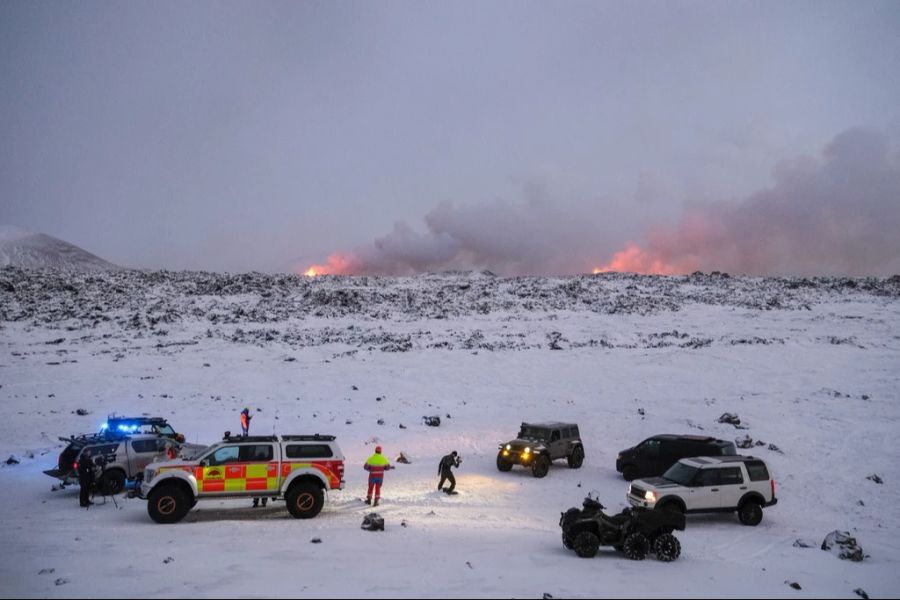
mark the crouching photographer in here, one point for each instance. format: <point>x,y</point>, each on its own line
<point>444,470</point>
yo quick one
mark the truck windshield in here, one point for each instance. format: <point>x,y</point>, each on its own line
<point>681,474</point>
<point>192,452</point>
<point>165,430</point>
<point>534,433</point>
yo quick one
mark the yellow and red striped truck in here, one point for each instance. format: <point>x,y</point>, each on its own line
<point>299,469</point>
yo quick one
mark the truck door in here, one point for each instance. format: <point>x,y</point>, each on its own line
<point>140,454</point>
<point>648,459</point>
<point>733,486</point>
<point>705,493</point>
<point>211,472</point>
<point>557,446</point>
<point>261,468</point>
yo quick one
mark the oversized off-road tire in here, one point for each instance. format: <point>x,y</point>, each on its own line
<point>541,467</point>
<point>667,547</point>
<point>305,500</point>
<point>503,464</point>
<point>750,513</point>
<point>636,546</point>
<point>168,503</point>
<point>630,473</point>
<point>112,482</point>
<point>585,544</point>
<point>576,458</point>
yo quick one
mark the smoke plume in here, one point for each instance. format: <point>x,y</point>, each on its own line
<point>532,237</point>
<point>838,214</point>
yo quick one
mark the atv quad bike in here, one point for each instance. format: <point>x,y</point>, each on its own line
<point>634,532</point>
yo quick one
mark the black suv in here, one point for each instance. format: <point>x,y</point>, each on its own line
<point>654,456</point>
<point>539,444</point>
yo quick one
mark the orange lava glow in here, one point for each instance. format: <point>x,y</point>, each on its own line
<point>337,265</point>
<point>633,259</point>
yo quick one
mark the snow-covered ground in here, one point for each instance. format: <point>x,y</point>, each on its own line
<point>811,366</point>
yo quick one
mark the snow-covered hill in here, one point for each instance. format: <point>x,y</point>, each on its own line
<point>809,365</point>
<point>28,250</point>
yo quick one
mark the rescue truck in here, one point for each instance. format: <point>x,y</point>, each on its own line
<point>298,469</point>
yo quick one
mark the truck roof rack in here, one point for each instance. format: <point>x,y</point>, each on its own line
<point>137,420</point>
<point>308,438</point>
<point>250,438</point>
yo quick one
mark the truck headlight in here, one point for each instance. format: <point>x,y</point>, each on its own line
<point>650,496</point>
<point>527,450</point>
<point>508,447</point>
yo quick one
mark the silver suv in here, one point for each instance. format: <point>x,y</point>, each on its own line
<point>125,460</point>
<point>739,484</point>
<point>123,448</point>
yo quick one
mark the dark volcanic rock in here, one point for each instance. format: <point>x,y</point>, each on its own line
<point>373,522</point>
<point>842,545</point>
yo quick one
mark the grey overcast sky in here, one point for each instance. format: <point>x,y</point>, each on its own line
<point>519,136</point>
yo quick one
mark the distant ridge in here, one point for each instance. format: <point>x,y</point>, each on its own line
<point>28,250</point>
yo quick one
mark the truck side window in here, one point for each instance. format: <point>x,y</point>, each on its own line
<point>708,477</point>
<point>261,453</point>
<point>757,471</point>
<point>225,455</point>
<point>732,476</point>
<point>309,451</point>
<point>554,437</point>
<point>650,449</point>
<point>146,446</point>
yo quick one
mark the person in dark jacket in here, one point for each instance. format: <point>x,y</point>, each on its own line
<point>444,470</point>
<point>86,480</point>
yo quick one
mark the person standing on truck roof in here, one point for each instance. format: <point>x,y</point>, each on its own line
<point>245,421</point>
<point>376,466</point>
